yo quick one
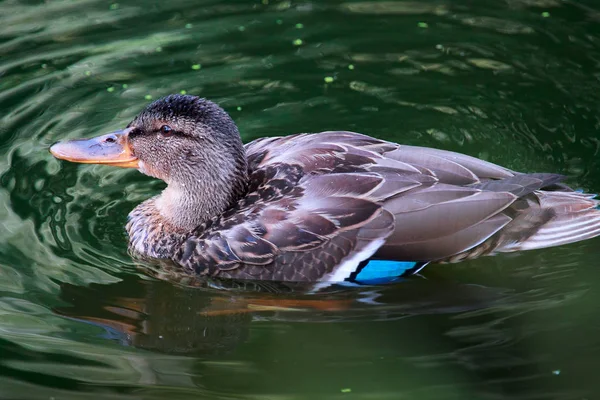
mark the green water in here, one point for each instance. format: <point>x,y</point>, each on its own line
<point>515,82</point>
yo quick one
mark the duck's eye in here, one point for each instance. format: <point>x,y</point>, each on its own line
<point>166,130</point>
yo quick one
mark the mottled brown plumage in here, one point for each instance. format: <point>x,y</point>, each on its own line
<point>313,207</point>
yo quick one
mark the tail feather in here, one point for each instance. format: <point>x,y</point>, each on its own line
<point>576,217</point>
<point>563,230</point>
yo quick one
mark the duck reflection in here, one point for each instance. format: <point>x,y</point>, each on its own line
<point>203,320</point>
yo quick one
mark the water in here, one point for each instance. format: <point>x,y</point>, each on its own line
<point>514,82</point>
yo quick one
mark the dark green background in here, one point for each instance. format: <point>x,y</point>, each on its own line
<point>514,82</point>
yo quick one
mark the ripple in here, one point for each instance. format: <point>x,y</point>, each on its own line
<point>395,7</point>
<point>497,24</point>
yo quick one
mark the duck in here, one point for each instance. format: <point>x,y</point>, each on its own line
<point>334,206</point>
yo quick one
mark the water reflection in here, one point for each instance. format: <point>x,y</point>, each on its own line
<point>157,315</point>
<point>437,333</point>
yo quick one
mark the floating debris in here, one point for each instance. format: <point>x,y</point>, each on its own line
<point>346,390</point>
<point>241,28</point>
<point>423,25</point>
<point>188,26</point>
<point>489,64</point>
<point>351,67</point>
<point>148,97</point>
<point>298,42</point>
<point>125,86</point>
<point>299,26</point>
<point>239,108</point>
<point>328,79</point>
<point>196,67</point>
<point>545,14</point>
<point>556,372</point>
<point>183,92</point>
<point>110,89</point>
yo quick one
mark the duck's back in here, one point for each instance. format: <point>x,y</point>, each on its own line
<point>319,206</point>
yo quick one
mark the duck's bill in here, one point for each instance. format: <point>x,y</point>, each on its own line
<point>111,149</point>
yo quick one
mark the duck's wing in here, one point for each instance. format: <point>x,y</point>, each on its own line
<point>445,214</point>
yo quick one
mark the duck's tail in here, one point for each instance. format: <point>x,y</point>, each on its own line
<point>561,217</point>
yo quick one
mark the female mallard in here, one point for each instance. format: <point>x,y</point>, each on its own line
<point>328,206</point>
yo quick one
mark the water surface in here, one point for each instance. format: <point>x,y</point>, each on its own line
<point>515,82</point>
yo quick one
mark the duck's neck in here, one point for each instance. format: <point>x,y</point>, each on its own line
<point>186,207</point>
<point>159,225</point>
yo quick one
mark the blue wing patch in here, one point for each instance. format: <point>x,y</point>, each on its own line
<point>374,272</point>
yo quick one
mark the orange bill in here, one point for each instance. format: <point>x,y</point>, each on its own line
<point>110,149</point>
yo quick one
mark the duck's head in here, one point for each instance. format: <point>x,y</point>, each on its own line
<point>190,143</point>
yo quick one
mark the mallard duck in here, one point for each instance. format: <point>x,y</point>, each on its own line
<point>333,206</point>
